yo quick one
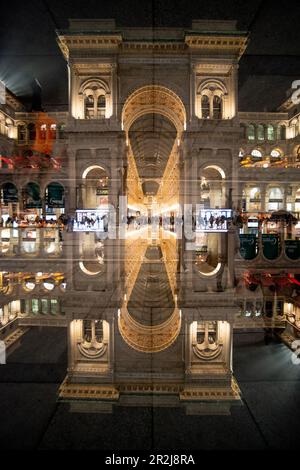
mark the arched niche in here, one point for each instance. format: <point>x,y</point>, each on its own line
<point>92,254</point>
<point>212,189</point>
<point>95,189</point>
<point>207,256</point>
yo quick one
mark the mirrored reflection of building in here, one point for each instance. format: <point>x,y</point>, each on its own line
<point>151,218</point>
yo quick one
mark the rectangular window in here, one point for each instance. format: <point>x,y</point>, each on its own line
<point>54,306</point>
<point>23,308</point>
<point>35,306</point>
<point>269,308</point>
<point>44,306</point>
<point>270,133</point>
<point>260,133</point>
<point>251,132</point>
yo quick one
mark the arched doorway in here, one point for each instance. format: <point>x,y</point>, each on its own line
<point>154,99</point>
<point>153,119</point>
<point>150,105</point>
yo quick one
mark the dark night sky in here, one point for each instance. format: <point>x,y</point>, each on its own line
<point>28,46</point>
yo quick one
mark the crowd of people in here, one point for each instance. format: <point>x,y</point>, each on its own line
<point>26,221</point>
<point>216,222</point>
<point>92,222</point>
<point>205,221</point>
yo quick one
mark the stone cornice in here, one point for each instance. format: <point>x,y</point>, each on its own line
<point>153,46</point>
<point>231,43</point>
<point>94,42</point>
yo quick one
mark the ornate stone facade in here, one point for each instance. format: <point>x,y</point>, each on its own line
<point>153,116</point>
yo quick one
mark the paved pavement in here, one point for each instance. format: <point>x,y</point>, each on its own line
<point>31,418</point>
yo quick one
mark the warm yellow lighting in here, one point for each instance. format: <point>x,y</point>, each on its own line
<point>136,233</point>
<point>164,210</point>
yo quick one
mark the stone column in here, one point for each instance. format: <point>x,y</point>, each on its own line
<point>263,194</point>
<point>114,91</point>
<point>81,108</point>
<point>72,182</point>
<point>81,196</point>
<point>194,105</point>
<point>231,252</point>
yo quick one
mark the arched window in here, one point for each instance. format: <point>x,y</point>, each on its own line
<point>260,132</point>
<point>31,131</point>
<point>251,132</point>
<point>255,194</point>
<point>52,131</point>
<point>276,193</point>
<point>256,154</point>
<point>22,134</point>
<point>281,132</point>
<point>275,199</point>
<point>89,107</point>
<point>95,95</point>
<point>217,107</point>
<point>43,131</point>
<point>276,153</point>
<point>255,199</point>
<point>270,132</point>
<point>9,193</point>
<point>205,107</point>
<point>101,104</point>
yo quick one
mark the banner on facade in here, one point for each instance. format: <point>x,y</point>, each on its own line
<point>55,196</point>
<point>32,197</point>
<point>292,249</point>
<point>248,245</point>
<point>270,245</point>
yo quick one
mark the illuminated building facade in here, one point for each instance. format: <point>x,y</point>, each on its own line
<point>211,199</point>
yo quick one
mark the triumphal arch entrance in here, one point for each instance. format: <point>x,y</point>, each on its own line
<point>152,132</point>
